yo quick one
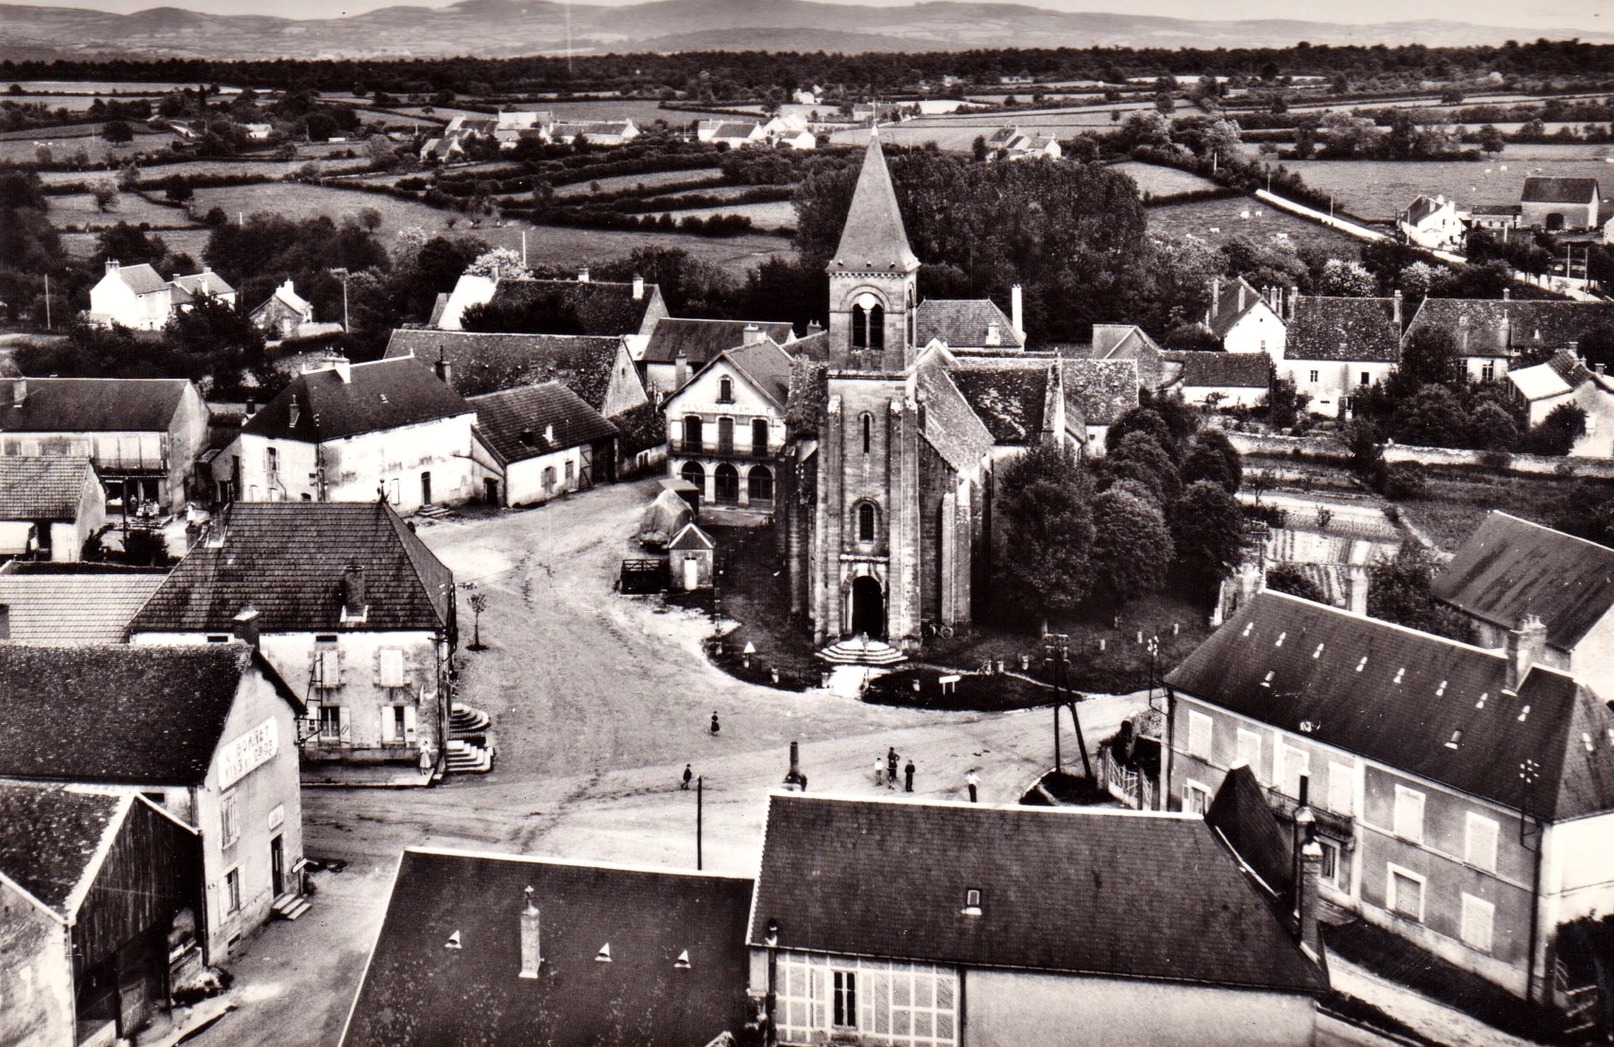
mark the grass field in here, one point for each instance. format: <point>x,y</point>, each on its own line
<point>297,201</point>
<point>1219,220</point>
<point>1160,181</point>
<point>65,141</point>
<point>79,210</point>
<point>779,214</point>
<point>1379,190</point>
<point>649,181</point>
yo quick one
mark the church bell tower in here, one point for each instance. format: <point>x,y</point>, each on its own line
<point>872,278</point>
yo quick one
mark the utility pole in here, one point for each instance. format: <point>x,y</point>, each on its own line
<point>700,804</point>
<point>47,301</point>
<point>342,274</point>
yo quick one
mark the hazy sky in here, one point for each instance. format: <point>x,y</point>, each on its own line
<point>1582,15</point>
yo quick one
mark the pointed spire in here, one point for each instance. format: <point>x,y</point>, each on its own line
<point>873,239</point>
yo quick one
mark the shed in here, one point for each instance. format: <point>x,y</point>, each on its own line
<point>692,554</point>
<point>665,518</point>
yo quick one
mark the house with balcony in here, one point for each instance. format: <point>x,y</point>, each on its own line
<point>727,428</point>
<point>143,435</point>
<point>1463,796</point>
<point>353,612</point>
<point>207,732</point>
<point>929,923</point>
<point>94,886</point>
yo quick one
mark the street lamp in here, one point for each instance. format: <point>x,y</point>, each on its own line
<point>342,274</point>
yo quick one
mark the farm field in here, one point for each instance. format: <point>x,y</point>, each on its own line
<point>1217,221</point>
<point>113,88</point>
<point>649,181</point>
<point>65,141</point>
<point>779,214</point>
<point>297,201</point>
<point>178,241</point>
<point>79,211</point>
<point>201,168</point>
<point>1156,180</point>
<point>1377,190</point>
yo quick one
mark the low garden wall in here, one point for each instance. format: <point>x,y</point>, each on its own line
<point>1329,449</point>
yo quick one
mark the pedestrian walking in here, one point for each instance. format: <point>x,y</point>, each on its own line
<point>891,766</point>
<point>879,772</point>
<point>972,780</point>
<point>715,725</point>
<point>907,775</point>
<point>689,775</point>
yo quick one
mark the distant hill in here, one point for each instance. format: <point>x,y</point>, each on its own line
<point>499,28</point>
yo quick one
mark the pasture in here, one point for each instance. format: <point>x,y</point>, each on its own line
<point>647,181</point>
<point>1218,221</point>
<point>779,214</point>
<point>22,147</point>
<point>1378,190</point>
<point>79,211</point>
<point>297,201</point>
<point>1156,180</point>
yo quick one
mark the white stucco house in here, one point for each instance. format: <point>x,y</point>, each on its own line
<point>137,297</point>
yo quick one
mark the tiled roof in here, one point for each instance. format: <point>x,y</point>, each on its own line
<point>1559,190</point>
<point>1222,370</point>
<point>1539,382</point>
<point>486,363</point>
<point>815,345</point>
<point>1500,327</point>
<point>951,424</point>
<point>887,879</point>
<point>640,428</point>
<point>575,306</point>
<point>766,366</point>
<point>701,340</point>
<point>963,322</point>
<point>735,129</point>
<point>134,713</point>
<point>1509,568</point>
<point>377,397</point>
<point>204,282</point>
<point>1129,342</point>
<point>1100,391</point>
<point>286,560</point>
<point>43,488</point>
<point>418,993</point>
<point>1496,209</point>
<point>518,423</point>
<point>1358,330</point>
<point>1243,818</point>
<point>874,239</point>
<point>74,603</point>
<point>50,835</point>
<point>91,405</point>
<point>1225,309</point>
<point>142,278</point>
<point>1401,697</point>
<point>1010,400</point>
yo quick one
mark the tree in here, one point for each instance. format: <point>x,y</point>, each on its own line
<point>1212,457</point>
<point>1131,551</point>
<point>1289,578</point>
<point>105,193</point>
<point>1347,280</point>
<point>1557,433</point>
<point>1207,528</point>
<point>1491,139</point>
<point>1141,458</point>
<point>1398,591</point>
<point>499,263</point>
<point>370,218</point>
<point>1431,417</point>
<point>1046,516</point>
<point>1284,403</point>
<point>1491,428</point>
<point>178,189</point>
<point>1428,358</point>
<point>117,132</point>
<point>1139,419</point>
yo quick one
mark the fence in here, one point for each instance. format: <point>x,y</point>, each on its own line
<point>1132,788</point>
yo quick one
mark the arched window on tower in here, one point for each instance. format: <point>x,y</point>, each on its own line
<point>860,327</point>
<point>868,433</point>
<point>865,522</point>
<point>877,327</point>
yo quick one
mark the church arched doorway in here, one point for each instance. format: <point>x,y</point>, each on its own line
<point>868,607</point>
<point>727,481</point>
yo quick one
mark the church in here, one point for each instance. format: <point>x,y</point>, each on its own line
<point>895,443</point>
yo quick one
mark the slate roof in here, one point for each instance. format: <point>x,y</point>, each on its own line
<point>1543,190</point>
<point>1225,310</point>
<point>1501,327</point>
<point>379,396</point>
<point>1100,391</point>
<point>286,560</point>
<point>1357,330</point>
<point>43,488</point>
<point>1423,207</point>
<point>766,366</point>
<point>134,713</point>
<point>951,424</point>
<point>487,363</point>
<point>74,603</point>
<point>873,238</point>
<point>1011,400</point>
<point>1242,817</point>
<point>91,405</point>
<point>514,422</point>
<point>596,307</point>
<point>50,836</point>
<point>1333,676</point>
<point>735,129</point>
<point>640,428</point>
<point>1509,568</point>
<point>963,322</point>
<point>142,278</point>
<point>417,993</point>
<point>701,340</point>
<point>887,879</point>
<point>1222,370</point>
<point>204,282</point>
<point>1129,342</point>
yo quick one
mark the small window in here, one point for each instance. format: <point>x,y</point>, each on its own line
<point>1196,799</point>
<point>232,892</point>
<point>1315,377</point>
<point>1406,893</point>
<point>571,471</point>
<point>1479,842</point>
<point>725,390</point>
<point>845,988</point>
<point>229,819</point>
<point>865,522</point>
<point>218,638</point>
<point>1409,814</point>
<point>1367,379</point>
<point>1199,735</point>
<point>868,433</point>
<point>1479,916</point>
<point>330,721</point>
<point>1334,872</point>
<point>271,460</point>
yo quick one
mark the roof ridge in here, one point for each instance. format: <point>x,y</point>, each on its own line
<point>571,863</point>
<point>1605,550</point>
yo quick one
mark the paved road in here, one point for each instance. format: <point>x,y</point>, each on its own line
<point>598,701</point>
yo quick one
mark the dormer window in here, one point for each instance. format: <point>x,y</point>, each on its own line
<point>972,903</point>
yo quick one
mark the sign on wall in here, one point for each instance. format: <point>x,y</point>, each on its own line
<point>248,752</point>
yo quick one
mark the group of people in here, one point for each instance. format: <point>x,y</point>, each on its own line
<point>885,771</point>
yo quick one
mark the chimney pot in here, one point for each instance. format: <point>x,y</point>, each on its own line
<point>442,368</point>
<point>638,288</point>
<point>1356,586</point>
<point>794,779</point>
<point>1526,646</point>
<point>994,334</point>
<point>246,626</point>
<point>1396,307</point>
<point>1017,311</point>
<point>753,334</point>
<point>19,391</point>
<point>111,265</point>
<point>293,413</point>
<point>1241,296</point>
<point>680,369</point>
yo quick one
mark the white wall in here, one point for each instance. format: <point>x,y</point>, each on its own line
<point>1335,379</point>
<point>1258,331</point>
<point>524,481</point>
<point>113,299</point>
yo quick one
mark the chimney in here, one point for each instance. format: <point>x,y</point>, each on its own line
<point>795,781</point>
<point>1395,306</point>
<point>638,288</point>
<point>532,956</point>
<point>1017,311</point>
<point>293,413</point>
<point>1241,296</point>
<point>1356,583</point>
<point>753,335</point>
<point>1311,870</point>
<point>111,265</point>
<point>1216,297</point>
<point>549,434</point>
<point>353,602</point>
<point>680,369</point>
<point>249,410</point>
<point>443,369</point>
<point>582,275</point>
<point>343,368</point>
<point>1507,294</point>
<point>528,436</point>
<point>994,334</point>
<point>19,391</point>
<point>1574,350</point>
<point>814,327</point>
<point>1526,646</point>
<point>246,626</point>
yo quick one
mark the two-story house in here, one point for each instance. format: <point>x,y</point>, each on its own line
<point>352,610</point>
<point>1245,320</point>
<point>283,313</point>
<point>137,297</point>
<point>1334,347</point>
<point>207,732</point>
<point>727,425</point>
<point>49,507</point>
<point>1565,379</point>
<point>538,442</point>
<point>680,347</point>
<point>1433,222</point>
<point>345,431</point>
<point>1463,796</point>
<point>1490,333</point>
<point>925,923</point>
<point>144,435</point>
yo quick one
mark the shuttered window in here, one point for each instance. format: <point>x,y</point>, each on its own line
<point>1199,735</point>
<point>392,667</point>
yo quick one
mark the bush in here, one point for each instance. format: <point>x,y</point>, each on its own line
<point>1401,481</point>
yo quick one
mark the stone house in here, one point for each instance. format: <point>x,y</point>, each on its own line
<point>96,885</point>
<point>854,940</point>
<point>49,507</point>
<point>207,732</point>
<point>1245,320</point>
<point>1335,346</point>
<point>598,132</point>
<point>1462,795</point>
<point>565,954</point>
<point>343,432</point>
<point>678,347</point>
<point>1560,203</point>
<point>283,314</point>
<point>143,435</point>
<point>727,425</point>
<point>351,609</point>
<point>538,442</point>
